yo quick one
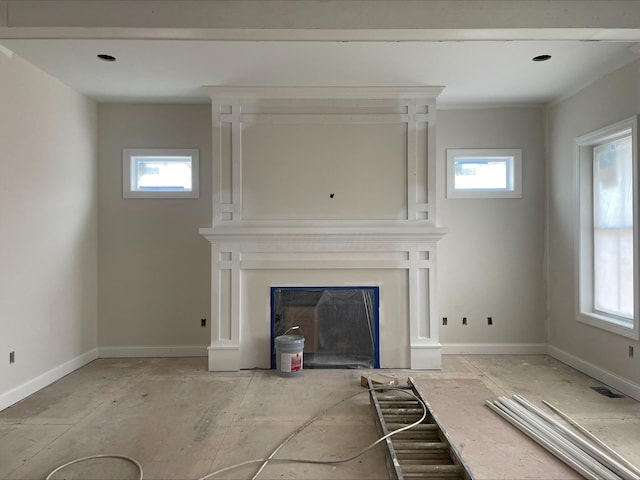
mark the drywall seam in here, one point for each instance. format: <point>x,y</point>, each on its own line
<point>494,348</point>
<point>141,351</point>
<point>22,391</point>
<point>605,376</point>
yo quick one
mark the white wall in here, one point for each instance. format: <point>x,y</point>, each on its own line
<point>612,98</point>
<point>48,221</point>
<point>490,263</point>
<point>154,266</point>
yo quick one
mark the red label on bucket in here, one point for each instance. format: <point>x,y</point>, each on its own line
<point>296,362</point>
<point>291,362</point>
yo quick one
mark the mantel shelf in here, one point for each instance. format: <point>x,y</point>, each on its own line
<point>362,233</point>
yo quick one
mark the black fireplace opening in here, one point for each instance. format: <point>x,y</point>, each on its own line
<point>339,324</point>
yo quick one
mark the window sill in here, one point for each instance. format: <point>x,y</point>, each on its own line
<point>610,324</point>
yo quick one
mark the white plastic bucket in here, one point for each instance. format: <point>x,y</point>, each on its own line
<point>289,355</point>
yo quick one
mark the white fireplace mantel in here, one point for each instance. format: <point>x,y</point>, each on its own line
<point>237,251</point>
<point>323,187</point>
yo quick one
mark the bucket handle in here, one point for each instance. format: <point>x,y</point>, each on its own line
<point>295,327</point>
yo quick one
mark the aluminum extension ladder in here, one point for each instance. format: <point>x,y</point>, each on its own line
<point>422,452</point>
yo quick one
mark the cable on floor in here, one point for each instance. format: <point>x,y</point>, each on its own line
<point>92,457</point>
<point>296,432</point>
<point>271,458</point>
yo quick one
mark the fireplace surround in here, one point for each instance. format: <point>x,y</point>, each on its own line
<point>323,186</point>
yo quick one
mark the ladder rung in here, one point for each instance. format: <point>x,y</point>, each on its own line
<point>415,434</point>
<point>401,414</point>
<point>402,411</point>
<point>391,398</point>
<point>425,460</point>
<point>426,440</point>
<point>433,476</point>
<point>399,402</point>
<point>437,469</point>
<point>400,446</point>
<point>427,437</point>
<point>404,419</point>
<point>418,428</point>
<point>415,454</point>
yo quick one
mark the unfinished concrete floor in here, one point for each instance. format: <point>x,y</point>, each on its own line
<point>180,421</point>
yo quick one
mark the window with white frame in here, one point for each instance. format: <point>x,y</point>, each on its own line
<point>607,228</point>
<point>484,173</point>
<point>160,173</point>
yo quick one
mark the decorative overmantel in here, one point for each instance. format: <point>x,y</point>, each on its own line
<point>323,185</point>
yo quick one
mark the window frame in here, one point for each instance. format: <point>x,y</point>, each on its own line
<point>584,230</point>
<point>514,153</point>
<point>129,153</point>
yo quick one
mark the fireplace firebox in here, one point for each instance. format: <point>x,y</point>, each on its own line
<point>340,324</point>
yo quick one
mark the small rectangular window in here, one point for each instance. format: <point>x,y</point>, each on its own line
<point>484,173</point>
<point>160,173</point>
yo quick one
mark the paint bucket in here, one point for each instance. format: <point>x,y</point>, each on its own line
<point>289,353</point>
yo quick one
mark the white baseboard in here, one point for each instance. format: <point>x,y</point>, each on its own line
<point>134,351</point>
<point>494,348</point>
<point>23,391</point>
<point>605,376</point>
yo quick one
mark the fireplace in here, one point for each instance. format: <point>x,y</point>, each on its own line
<point>324,186</point>
<point>339,324</point>
<point>247,264</point>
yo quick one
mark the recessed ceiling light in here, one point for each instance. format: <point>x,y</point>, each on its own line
<point>541,58</point>
<point>106,58</point>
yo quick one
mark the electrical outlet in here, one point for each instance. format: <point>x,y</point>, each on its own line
<point>489,321</point>
<point>630,351</point>
<point>203,322</point>
<point>444,320</point>
<point>12,357</point>
<point>464,320</point>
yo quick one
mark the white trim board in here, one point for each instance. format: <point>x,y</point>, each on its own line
<point>47,378</point>
<point>605,376</point>
<point>140,351</point>
<point>494,349</point>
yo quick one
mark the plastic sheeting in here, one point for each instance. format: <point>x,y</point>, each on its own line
<point>340,324</point>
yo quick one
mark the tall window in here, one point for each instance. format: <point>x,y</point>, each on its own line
<point>613,227</point>
<point>607,230</point>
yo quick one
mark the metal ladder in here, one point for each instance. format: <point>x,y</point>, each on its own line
<point>422,452</point>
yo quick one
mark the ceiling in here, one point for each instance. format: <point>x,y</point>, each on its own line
<point>472,72</point>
